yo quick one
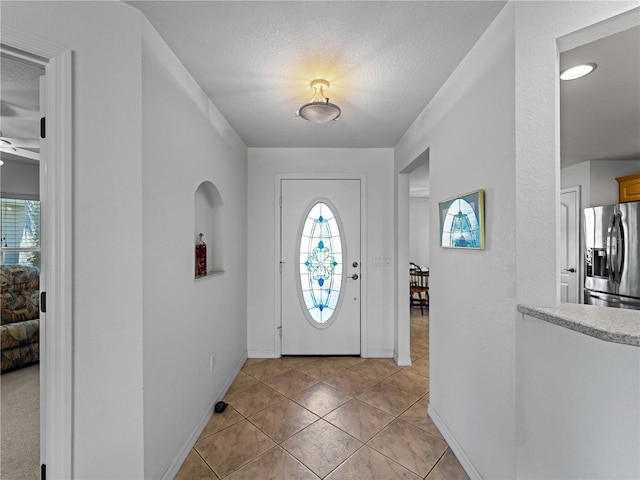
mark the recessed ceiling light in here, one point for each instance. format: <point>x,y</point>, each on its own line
<point>578,71</point>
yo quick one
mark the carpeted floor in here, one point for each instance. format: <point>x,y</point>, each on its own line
<point>20,424</point>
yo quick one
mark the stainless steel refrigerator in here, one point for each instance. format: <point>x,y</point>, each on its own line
<point>612,255</point>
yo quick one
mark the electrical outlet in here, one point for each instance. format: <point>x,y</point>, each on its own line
<point>212,361</point>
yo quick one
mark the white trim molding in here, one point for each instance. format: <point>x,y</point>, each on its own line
<point>455,447</point>
<point>56,371</point>
<point>173,470</point>
<point>577,227</point>
<point>402,320</point>
<point>364,346</point>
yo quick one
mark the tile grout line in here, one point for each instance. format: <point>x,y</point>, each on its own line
<point>363,444</point>
<point>298,366</point>
<point>437,462</point>
<point>287,397</point>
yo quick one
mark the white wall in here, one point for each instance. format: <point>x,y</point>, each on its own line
<point>590,430</point>
<point>419,230</point>
<point>107,219</point>
<point>264,165</point>
<point>186,320</point>
<point>20,180</point>
<point>494,125</point>
<point>539,26</point>
<point>143,328</point>
<point>597,179</point>
<point>470,125</point>
<point>604,186</point>
<point>469,130</point>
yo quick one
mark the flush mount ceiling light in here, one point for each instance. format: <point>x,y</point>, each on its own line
<point>319,110</point>
<point>578,71</point>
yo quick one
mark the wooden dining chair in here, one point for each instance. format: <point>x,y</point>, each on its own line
<point>418,287</point>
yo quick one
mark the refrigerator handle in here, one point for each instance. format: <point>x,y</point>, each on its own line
<point>606,298</point>
<point>619,248</point>
<point>611,261</point>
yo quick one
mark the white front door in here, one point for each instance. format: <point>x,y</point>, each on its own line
<point>569,255</point>
<point>320,267</point>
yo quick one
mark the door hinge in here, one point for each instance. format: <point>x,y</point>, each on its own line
<point>280,202</point>
<point>280,330</point>
<point>43,472</point>
<point>43,127</point>
<point>43,302</point>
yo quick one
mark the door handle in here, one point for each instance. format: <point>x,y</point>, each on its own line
<point>572,270</point>
<point>354,276</point>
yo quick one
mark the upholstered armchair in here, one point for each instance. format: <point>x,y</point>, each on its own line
<point>20,315</point>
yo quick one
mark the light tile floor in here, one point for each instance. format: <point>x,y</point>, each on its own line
<point>327,417</point>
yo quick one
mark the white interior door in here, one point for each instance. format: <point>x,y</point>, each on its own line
<point>320,267</point>
<point>569,236</point>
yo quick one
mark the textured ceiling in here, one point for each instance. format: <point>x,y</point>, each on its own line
<point>384,60</point>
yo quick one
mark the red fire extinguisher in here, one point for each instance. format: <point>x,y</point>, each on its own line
<point>201,257</point>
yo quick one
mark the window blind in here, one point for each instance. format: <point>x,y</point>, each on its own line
<point>20,234</point>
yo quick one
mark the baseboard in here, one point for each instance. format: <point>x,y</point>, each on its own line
<point>263,354</point>
<point>369,354</point>
<point>453,444</point>
<point>402,361</point>
<point>173,470</point>
<point>225,387</point>
<point>378,354</point>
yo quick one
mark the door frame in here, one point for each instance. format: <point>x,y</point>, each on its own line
<point>277,339</point>
<point>577,224</point>
<point>56,344</point>
<point>402,345</point>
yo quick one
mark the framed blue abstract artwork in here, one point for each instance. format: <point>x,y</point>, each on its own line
<point>462,221</point>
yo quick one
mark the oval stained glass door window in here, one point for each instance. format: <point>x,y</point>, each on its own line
<point>320,263</point>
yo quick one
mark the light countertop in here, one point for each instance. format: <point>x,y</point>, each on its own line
<point>615,325</point>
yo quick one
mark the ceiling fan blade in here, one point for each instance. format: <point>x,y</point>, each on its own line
<point>31,143</point>
<point>19,152</point>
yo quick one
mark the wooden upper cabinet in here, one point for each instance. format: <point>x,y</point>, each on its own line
<point>629,188</point>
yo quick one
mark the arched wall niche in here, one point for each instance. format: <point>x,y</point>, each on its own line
<point>208,210</point>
